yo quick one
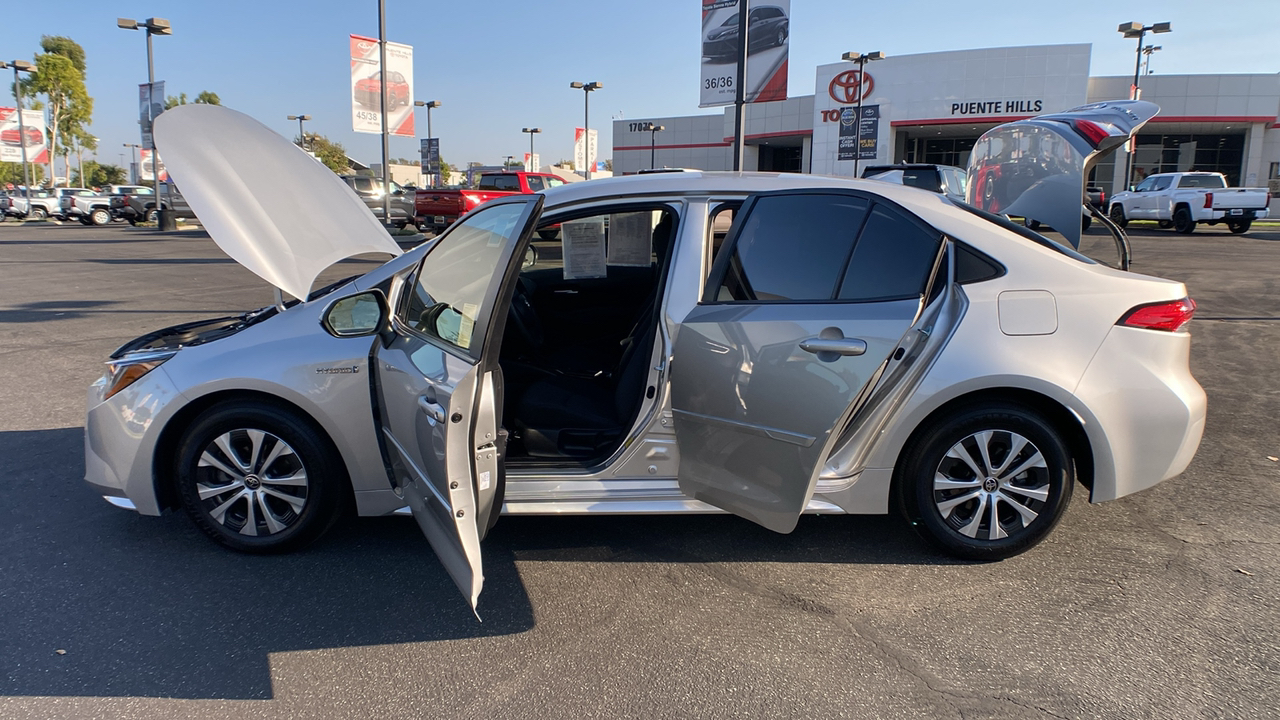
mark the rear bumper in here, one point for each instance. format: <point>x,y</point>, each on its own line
<point>1148,411</point>
<point>1240,214</point>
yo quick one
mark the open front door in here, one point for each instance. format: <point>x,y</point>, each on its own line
<point>440,388</point>
<point>805,304</point>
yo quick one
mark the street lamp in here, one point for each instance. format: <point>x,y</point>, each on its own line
<point>532,132</point>
<point>26,67</point>
<point>302,137</point>
<point>1137,30</point>
<point>653,130</point>
<point>862,59</point>
<point>134,166</point>
<point>154,26</point>
<point>586,89</point>
<point>1148,50</point>
<point>428,105</point>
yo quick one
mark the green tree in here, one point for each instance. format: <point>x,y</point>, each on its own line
<point>67,101</point>
<point>208,98</point>
<point>11,173</point>
<point>172,102</point>
<point>97,175</point>
<point>330,153</point>
<point>72,123</point>
<point>66,47</point>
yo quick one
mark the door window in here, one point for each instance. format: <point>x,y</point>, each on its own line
<point>892,259</point>
<point>1145,185</point>
<point>535,183</point>
<point>792,248</point>
<point>1162,183</point>
<point>447,296</point>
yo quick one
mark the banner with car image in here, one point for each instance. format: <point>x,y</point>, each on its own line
<point>768,32</point>
<point>150,105</point>
<point>32,134</point>
<point>366,85</point>
<point>145,173</point>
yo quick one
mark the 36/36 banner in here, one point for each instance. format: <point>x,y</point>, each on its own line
<point>12,139</point>
<point>366,84</point>
<point>768,30</point>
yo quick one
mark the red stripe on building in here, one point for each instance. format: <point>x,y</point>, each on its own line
<point>674,147</point>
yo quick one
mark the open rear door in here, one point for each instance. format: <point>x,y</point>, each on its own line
<point>808,299</point>
<point>440,388</point>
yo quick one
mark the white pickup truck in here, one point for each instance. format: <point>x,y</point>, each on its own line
<point>1184,199</point>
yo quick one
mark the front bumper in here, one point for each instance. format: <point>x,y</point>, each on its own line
<point>367,98</point>
<point>120,438</point>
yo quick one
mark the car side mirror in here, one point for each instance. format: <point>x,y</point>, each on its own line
<point>357,315</point>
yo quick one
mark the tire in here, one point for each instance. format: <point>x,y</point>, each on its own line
<point>781,39</point>
<point>38,213</point>
<point>84,220</point>
<point>1239,227</point>
<point>1086,221</point>
<point>1117,215</point>
<point>100,217</point>
<point>1164,224</point>
<point>152,215</point>
<point>286,515</point>
<point>1041,490</point>
<point>1182,222</point>
<point>549,234</point>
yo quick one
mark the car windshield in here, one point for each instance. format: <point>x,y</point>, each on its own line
<point>1024,232</point>
<point>733,20</point>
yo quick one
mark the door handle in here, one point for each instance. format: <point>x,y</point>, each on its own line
<point>434,410</point>
<point>838,346</point>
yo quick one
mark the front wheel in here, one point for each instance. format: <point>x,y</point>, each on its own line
<point>1117,215</point>
<point>257,478</point>
<point>1182,222</point>
<point>152,215</point>
<point>988,482</point>
<point>100,217</point>
<point>1239,227</point>
<point>39,213</point>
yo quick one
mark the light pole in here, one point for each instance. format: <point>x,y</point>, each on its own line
<point>653,130</point>
<point>532,132</point>
<point>862,59</point>
<point>302,137</point>
<point>1137,30</point>
<point>586,89</point>
<point>428,105</point>
<point>1148,50</point>
<point>154,26</point>
<point>26,67</point>
<point>134,166</point>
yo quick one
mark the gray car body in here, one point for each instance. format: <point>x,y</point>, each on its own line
<point>1045,331</point>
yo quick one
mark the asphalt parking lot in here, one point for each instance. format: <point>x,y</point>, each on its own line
<point>1161,605</point>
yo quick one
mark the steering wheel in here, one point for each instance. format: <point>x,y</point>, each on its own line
<point>523,316</point>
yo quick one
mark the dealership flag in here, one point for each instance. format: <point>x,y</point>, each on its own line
<point>581,161</point>
<point>366,84</point>
<point>144,160</point>
<point>37,140</point>
<point>150,105</point>
<point>767,48</point>
<point>532,162</point>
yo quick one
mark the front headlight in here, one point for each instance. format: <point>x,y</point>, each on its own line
<point>125,371</point>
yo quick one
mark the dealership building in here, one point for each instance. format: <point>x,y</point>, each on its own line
<point>932,108</point>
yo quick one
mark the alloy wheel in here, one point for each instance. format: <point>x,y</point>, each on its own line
<point>251,482</point>
<point>991,485</point>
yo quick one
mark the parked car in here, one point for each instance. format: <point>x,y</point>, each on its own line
<point>90,207</point>
<point>34,204</point>
<point>33,137</point>
<point>1182,200</point>
<point>143,206</point>
<point>118,200</point>
<point>438,208</point>
<point>61,209</point>
<point>853,346</point>
<point>946,179</point>
<point>369,190</point>
<point>768,27</point>
<point>368,89</point>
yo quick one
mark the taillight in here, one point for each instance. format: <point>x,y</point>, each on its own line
<point>1208,201</point>
<point>1091,131</point>
<point>1102,198</point>
<point>1169,316</point>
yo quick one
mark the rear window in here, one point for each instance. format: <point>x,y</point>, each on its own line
<point>499,182</point>
<point>923,178</point>
<point>1202,181</point>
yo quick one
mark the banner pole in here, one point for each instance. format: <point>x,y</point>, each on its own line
<point>740,93</point>
<point>382,84</point>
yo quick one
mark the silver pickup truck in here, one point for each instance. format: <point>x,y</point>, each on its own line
<point>31,204</point>
<point>1182,200</point>
<point>87,206</point>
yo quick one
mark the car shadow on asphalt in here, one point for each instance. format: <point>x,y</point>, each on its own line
<point>149,607</point>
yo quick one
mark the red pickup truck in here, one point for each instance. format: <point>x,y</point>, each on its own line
<point>438,209</point>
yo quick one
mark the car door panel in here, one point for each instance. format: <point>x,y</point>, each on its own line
<point>755,410</point>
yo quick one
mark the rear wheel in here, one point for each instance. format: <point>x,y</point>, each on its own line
<point>548,234</point>
<point>152,215</point>
<point>1239,227</point>
<point>100,217</point>
<point>1182,222</point>
<point>1117,215</point>
<point>39,213</point>
<point>257,478</point>
<point>988,482</point>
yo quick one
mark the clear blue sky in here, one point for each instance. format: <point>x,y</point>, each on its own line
<point>498,66</point>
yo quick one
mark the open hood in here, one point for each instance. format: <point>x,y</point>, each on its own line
<point>1036,168</point>
<point>270,206</point>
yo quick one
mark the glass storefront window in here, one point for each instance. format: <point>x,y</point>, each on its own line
<point>1186,153</point>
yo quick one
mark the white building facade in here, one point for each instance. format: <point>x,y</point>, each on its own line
<point>932,107</point>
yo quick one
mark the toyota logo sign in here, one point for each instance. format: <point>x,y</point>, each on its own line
<point>844,87</point>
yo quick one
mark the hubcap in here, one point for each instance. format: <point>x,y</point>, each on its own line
<point>991,485</point>
<point>251,482</point>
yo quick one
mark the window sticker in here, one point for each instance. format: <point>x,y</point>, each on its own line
<point>466,324</point>
<point>631,239</point>
<point>584,251</point>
